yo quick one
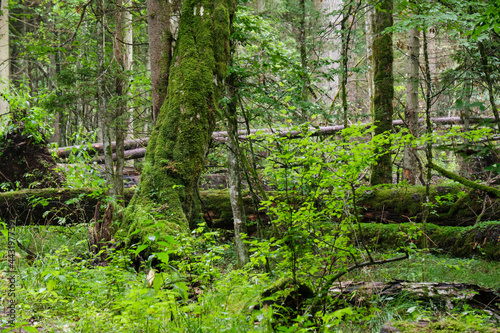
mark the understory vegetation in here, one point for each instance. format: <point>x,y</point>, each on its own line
<point>312,244</point>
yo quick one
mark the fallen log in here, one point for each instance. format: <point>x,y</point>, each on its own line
<point>64,152</point>
<point>447,294</point>
<point>452,205</point>
<point>138,145</point>
<point>51,206</point>
<point>132,154</point>
<point>69,206</point>
<point>482,240</point>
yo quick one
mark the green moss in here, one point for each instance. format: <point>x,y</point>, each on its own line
<point>384,89</point>
<point>481,240</point>
<point>177,147</point>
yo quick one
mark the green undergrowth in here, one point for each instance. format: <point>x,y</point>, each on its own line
<point>62,292</point>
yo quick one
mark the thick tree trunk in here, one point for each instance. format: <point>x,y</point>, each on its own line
<point>411,112</point>
<point>176,150</point>
<point>160,50</point>
<point>384,89</point>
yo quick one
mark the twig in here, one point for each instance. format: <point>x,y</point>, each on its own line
<point>84,9</point>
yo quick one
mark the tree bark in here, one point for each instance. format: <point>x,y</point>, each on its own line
<point>411,112</point>
<point>370,13</point>
<point>4,64</point>
<point>177,147</point>
<point>384,89</point>
<point>160,50</point>
<point>234,175</point>
<point>120,120</point>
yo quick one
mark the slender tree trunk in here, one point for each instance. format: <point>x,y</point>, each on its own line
<point>303,58</point>
<point>428,123</point>
<point>120,115</point>
<point>384,89</point>
<point>465,115</point>
<point>370,13</point>
<point>106,119</point>
<point>345,33</point>
<point>129,60</point>
<point>166,199</point>
<point>234,174</point>
<point>160,50</point>
<point>330,46</point>
<point>4,64</point>
<point>411,112</point>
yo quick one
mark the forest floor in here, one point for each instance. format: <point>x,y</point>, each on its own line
<point>61,290</point>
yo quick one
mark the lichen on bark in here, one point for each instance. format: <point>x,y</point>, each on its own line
<point>177,147</point>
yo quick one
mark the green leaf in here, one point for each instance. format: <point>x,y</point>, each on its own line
<point>164,258</point>
<point>140,248</point>
<point>51,285</point>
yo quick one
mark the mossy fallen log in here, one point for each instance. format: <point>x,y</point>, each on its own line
<point>450,205</point>
<point>482,240</point>
<point>61,206</point>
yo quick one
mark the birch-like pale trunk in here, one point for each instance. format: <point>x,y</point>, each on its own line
<point>128,39</point>
<point>4,64</point>
<point>412,109</point>
<point>370,12</point>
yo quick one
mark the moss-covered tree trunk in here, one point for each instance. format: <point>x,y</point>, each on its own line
<point>176,150</point>
<point>384,88</point>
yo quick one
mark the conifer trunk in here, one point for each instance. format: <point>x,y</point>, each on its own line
<point>167,194</point>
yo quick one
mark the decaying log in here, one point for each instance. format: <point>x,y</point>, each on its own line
<point>64,152</point>
<point>50,206</point>
<point>482,240</point>
<point>69,206</point>
<point>132,154</point>
<point>448,294</point>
